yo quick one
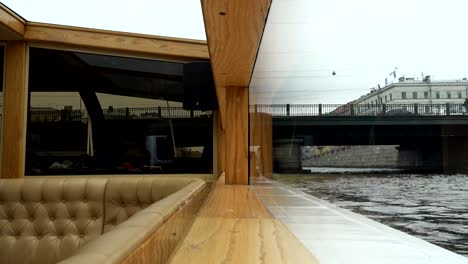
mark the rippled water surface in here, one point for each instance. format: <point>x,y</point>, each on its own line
<point>431,207</point>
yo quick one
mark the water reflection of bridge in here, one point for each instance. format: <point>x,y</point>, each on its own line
<point>430,136</point>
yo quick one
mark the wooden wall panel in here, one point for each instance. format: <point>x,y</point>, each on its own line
<point>236,136</point>
<point>14,110</point>
<point>106,40</point>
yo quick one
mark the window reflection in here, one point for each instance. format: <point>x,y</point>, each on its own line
<point>366,106</point>
<point>97,114</point>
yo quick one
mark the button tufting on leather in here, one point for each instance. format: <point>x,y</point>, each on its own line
<point>41,220</point>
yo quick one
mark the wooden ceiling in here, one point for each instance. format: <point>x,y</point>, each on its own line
<point>234,30</point>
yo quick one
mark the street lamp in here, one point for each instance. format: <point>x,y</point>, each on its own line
<point>427,80</point>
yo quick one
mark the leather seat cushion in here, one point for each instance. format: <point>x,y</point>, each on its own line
<point>45,220</point>
<point>125,196</point>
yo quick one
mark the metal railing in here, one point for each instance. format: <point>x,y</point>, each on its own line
<point>337,110</point>
<point>153,113</point>
<point>278,110</point>
<point>55,115</point>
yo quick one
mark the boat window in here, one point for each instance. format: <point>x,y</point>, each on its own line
<point>318,123</point>
<point>99,114</point>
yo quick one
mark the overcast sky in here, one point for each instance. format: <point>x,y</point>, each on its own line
<point>174,18</point>
<point>362,41</point>
<point>304,40</point>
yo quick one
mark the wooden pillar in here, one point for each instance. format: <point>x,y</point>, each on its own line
<point>14,110</point>
<point>236,136</point>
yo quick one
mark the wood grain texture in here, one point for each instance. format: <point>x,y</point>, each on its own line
<point>233,30</point>
<point>12,26</point>
<point>164,47</point>
<point>261,138</point>
<point>233,201</point>
<point>221,149</point>
<point>158,248</point>
<point>221,95</point>
<point>236,137</point>
<point>226,232</point>
<point>14,111</point>
<point>240,240</point>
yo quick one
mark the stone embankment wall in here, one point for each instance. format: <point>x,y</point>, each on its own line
<point>357,157</point>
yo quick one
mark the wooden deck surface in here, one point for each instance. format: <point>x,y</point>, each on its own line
<point>234,227</point>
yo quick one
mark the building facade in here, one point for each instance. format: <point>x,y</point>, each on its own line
<point>429,96</point>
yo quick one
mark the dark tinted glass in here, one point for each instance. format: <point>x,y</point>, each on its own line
<point>97,114</point>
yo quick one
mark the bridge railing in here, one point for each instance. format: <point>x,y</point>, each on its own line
<point>55,115</point>
<point>152,113</point>
<point>337,110</point>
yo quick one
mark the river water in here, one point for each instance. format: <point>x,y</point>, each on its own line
<point>431,207</point>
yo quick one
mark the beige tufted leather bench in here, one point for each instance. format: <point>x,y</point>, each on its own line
<point>85,219</point>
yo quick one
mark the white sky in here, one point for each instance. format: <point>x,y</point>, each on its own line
<point>172,18</point>
<point>362,40</point>
<point>304,40</point>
